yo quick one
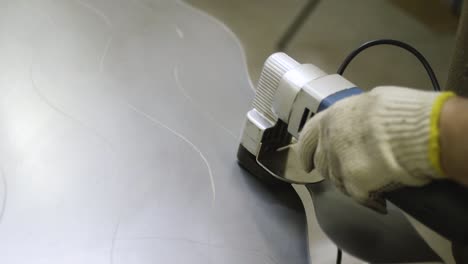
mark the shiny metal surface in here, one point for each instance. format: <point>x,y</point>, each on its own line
<point>118,132</point>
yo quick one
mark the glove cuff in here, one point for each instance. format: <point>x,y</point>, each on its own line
<point>409,119</point>
<point>434,136</point>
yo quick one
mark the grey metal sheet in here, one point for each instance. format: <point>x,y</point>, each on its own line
<point>118,132</point>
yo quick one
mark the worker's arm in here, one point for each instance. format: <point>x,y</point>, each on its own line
<point>387,138</point>
<point>454,139</point>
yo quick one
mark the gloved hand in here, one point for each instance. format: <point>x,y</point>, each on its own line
<point>375,142</point>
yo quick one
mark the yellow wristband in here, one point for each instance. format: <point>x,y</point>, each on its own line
<point>434,146</point>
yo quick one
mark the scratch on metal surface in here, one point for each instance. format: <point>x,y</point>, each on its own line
<point>195,148</point>
<point>104,54</point>
<point>109,145</point>
<point>60,111</point>
<point>184,92</point>
<point>96,11</point>
<point>114,239</point>
<point>179,31</point>
<point>226,29</point>
<point>107,21</point>
<point>5,191</point>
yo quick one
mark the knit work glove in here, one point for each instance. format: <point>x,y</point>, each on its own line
<point>376,142</point>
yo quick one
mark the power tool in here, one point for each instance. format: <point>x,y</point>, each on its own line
<point>287,95</point>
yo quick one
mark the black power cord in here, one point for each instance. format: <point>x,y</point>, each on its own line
<point>399,44</point>
<point>338,256</point>
<point>392,42</point>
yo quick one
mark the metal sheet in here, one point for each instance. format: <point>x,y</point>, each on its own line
<point>118,132</point>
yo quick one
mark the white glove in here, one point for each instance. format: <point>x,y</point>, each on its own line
<point>375,142</point>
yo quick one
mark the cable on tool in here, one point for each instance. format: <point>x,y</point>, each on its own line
<point>397,43</point>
